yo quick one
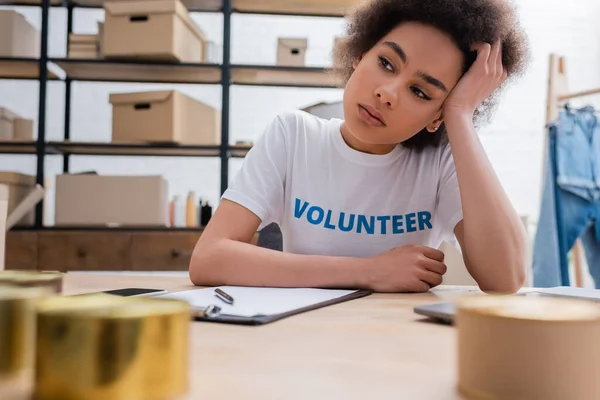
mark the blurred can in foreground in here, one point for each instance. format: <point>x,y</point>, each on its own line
<point>98,347</point>
<point>17,338</point>
<point>520,347</point>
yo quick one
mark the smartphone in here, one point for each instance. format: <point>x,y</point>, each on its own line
<point>128,292</point>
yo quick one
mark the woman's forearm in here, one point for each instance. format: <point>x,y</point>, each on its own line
<point>230,262</point>
<point>495,242</point>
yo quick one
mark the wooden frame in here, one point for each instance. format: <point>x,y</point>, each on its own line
<point>558,95</point>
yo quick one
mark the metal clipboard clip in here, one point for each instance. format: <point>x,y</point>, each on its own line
<point>211,312</point>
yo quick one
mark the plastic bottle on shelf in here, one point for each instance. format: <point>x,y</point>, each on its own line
<point>199,208</point>
<point>172,213</point>
<point>190,210</point>
<point>179,211</point>
<point>206,213</point>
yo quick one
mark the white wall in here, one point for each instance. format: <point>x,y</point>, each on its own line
<point>513,141</point>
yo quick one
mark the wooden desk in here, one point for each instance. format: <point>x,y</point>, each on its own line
<point>363,349</point>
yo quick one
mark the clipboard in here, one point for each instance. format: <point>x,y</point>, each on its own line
<point>217,312</point>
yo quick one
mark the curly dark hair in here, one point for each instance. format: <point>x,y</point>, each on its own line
<point>466,21</point>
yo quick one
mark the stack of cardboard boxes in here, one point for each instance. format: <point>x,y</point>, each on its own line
<point>157,30</point>
<point>154,30</point>
<point>84,46</point>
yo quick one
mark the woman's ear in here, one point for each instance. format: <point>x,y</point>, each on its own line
<point>356,62</point>
<point>436,123</point>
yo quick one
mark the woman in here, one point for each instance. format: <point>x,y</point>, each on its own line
<point>365,202</point>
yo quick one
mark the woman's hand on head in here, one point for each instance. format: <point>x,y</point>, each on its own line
<point>485,75</point>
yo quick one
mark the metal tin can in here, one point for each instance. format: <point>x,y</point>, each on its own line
<point>98,346</point>
<point>519,347</point>
<point>17,337</point>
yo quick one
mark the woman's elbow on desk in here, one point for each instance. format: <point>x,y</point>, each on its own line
<point>510,282</point>
<point>200,265</point>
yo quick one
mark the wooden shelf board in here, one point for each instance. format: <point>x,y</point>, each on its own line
<point>21,68</point>
<point>239,151</point>
<point>284,76</point>
<point>134,149</point>
<point>333,8</point>
<point>14,147</point>
<point>139,71</point>
<point>112,149</point>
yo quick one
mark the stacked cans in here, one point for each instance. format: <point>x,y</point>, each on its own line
<point>91,346</point>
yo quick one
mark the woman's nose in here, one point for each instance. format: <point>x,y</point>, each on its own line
<point>386,97</point>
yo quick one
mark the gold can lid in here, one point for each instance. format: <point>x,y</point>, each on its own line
<point>101,305</point>
<point>8,292</point>
<point>530,308</point>
<point>78,303</point>
<point>29,276</point>
<point>144,307</point>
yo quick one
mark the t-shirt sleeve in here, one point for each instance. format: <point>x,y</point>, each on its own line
<point>449,202</point>
<point>259,185</point>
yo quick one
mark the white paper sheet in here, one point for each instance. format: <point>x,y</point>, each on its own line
<point>569,291</point>
<point>253,301</point>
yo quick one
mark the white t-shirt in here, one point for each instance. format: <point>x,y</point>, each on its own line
<point>330,199</point>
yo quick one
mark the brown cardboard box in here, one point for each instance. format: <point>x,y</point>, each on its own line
<point>157,30</point>
<point>18,38</point>
<point>100,200</point>
<point>23,129</point>
<point>164,117</point>
<point>19,186</point>
<point>291,52</point>
<point>7,124</point>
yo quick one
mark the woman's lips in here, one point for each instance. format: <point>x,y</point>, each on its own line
<point>370,115</point>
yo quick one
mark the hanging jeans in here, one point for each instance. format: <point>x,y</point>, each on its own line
<point>570,207</point>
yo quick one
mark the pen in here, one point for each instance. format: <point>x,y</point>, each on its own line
<point>224,296</point>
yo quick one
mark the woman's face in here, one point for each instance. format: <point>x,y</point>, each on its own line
<point>399,86</point>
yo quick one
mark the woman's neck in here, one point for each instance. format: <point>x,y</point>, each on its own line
<point>363,147</point>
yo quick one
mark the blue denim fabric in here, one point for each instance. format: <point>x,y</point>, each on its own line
<point>570,207</point>
<point>578,153</point>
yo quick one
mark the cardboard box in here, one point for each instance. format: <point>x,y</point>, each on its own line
<point>164,117</point>
<point>101,200</point>
<point>291,52</point>
<point>23,129</point>
<point>19,186</point>
<point>18,38</point>
<point>156,30</point>
<point>7,124</point>
<point>327,110</point>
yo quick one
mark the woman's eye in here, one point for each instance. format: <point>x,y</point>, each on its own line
<point>386,64</point>
<point>419,93</point>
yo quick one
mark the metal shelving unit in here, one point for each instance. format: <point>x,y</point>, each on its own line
<point>135,71</point>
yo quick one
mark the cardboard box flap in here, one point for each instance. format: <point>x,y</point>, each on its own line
<point>140,97</point>
<point>292,43</point>
<point>143,9</point>
<point>6,114</point>
<point>15,178</point>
